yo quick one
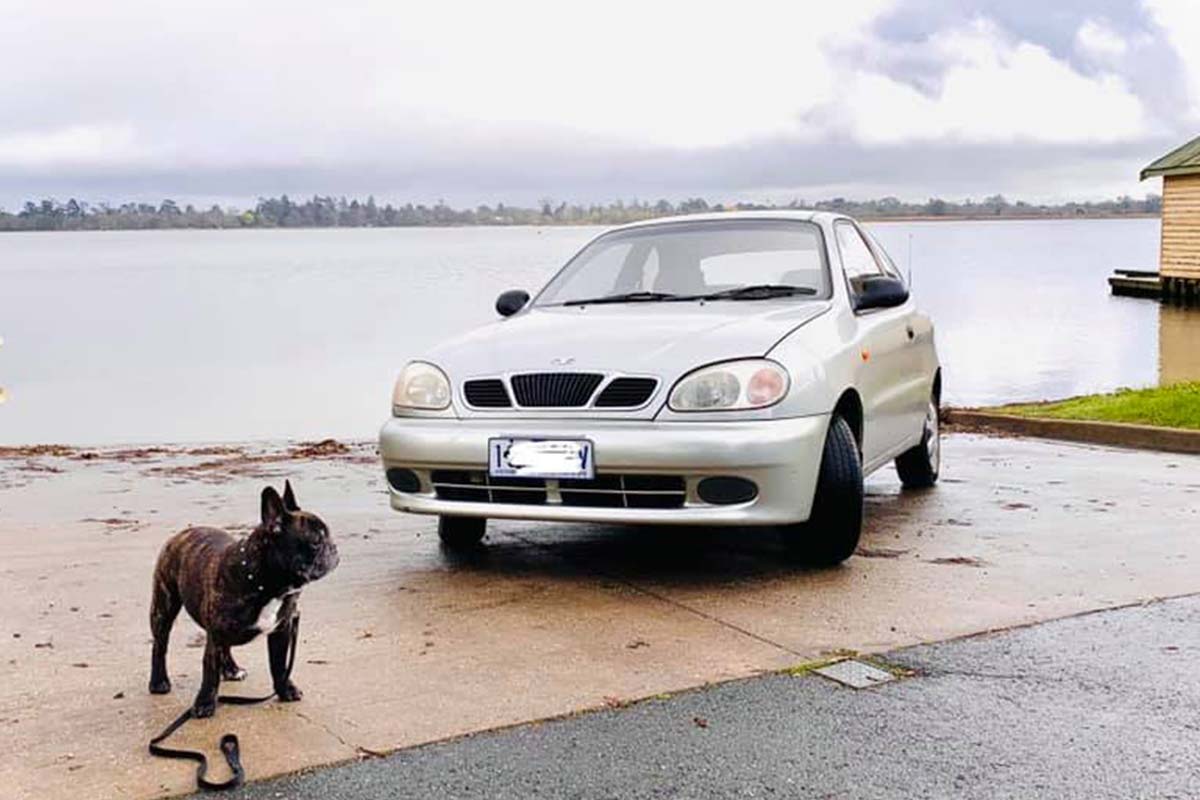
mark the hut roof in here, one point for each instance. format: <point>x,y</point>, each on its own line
<point>1184,160</point>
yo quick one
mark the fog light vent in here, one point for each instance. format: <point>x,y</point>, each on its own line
<point>726,490</point>
<point>403,480</point>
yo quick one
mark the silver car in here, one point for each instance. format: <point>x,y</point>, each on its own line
<point>743,369</point>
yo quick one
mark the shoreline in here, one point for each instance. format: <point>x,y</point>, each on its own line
<point>863,219</point>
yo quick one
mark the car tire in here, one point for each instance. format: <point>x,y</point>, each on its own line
<point>461,533</point>
<point>919,465</point>
<point>831,533</point>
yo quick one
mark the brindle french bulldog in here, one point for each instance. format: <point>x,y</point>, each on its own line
<point>237,589</point>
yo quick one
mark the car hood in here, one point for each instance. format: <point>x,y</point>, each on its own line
<point>662,339</point>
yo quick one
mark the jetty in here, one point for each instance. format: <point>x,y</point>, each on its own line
<point>1136,283</point>
<point>1152,284</point>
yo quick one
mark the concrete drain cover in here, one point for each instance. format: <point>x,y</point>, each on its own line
<point>855,674</point>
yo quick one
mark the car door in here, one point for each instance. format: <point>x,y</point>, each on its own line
<point>884,352</point>
<point>920,361</point>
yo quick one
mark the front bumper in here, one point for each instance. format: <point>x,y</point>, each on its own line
<point>782,457</point>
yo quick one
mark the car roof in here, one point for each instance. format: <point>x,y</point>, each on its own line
<point>801,215</point>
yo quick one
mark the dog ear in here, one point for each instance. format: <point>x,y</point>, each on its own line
<point>289,498</point>
<point>272,510</point>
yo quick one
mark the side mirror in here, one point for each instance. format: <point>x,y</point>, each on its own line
<point>512,301</point>
<point>880,291</point>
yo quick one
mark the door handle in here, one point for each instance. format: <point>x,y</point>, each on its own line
<point>911,333</point>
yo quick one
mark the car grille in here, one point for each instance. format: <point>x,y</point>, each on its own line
<point>626,392</point>
<point>603,491</point>
<point>555,389</point>
<point>489,393</point>
<point>559,390</point>
<point>475,486</point>
<point>625,491</point>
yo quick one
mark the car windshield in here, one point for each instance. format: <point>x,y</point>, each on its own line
<point>696,260</point>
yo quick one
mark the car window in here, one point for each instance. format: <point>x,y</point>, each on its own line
<point>689,258</point>
<point>650,271</point>
<point>612,270</point>
<point>857,259</point>
<point>791,267</point>
<point>884,257</point>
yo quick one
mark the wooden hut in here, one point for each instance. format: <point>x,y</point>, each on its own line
<point>1179,255</point>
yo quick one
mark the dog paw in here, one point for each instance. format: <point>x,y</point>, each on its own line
<point>288,693</point>
<point>160,687</point>
<point>238,674</point>
<point>204,708</point>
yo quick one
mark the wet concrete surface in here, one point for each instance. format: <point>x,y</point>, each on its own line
<point>1095,706</point>
<point>403,645</point>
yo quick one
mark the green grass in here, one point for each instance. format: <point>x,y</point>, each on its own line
<point>1176,406</point>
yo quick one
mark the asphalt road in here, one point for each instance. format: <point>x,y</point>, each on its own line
<point>1104,705</point>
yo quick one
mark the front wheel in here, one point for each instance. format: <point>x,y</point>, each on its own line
<point>461,533</point>
<point>831,533</point>
<point>919,465</point>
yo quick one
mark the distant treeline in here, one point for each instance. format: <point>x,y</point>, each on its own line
<point>331,212</point>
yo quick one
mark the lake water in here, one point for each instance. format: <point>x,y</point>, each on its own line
<point>174,336</point>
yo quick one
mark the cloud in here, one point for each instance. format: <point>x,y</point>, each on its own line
<point>79,145</point>
<point>1097,40</point>
<point>484,101</point>
<point>1179,21</point>
<point>990,88</point>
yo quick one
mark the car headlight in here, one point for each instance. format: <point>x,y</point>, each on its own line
<point>731,386</point>
<point>423,386</point>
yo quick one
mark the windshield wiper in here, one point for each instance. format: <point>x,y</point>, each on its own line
<point>758,291</point>
<point>627,297</point>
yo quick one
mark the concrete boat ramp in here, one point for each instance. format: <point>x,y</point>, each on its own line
<point>404,645</point>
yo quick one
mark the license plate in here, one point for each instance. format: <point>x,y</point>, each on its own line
<point>540,458</point>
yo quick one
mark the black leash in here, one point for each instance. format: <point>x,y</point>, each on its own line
<point>229,742</point>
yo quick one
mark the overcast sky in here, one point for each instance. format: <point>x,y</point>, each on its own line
<point>515,101</point>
